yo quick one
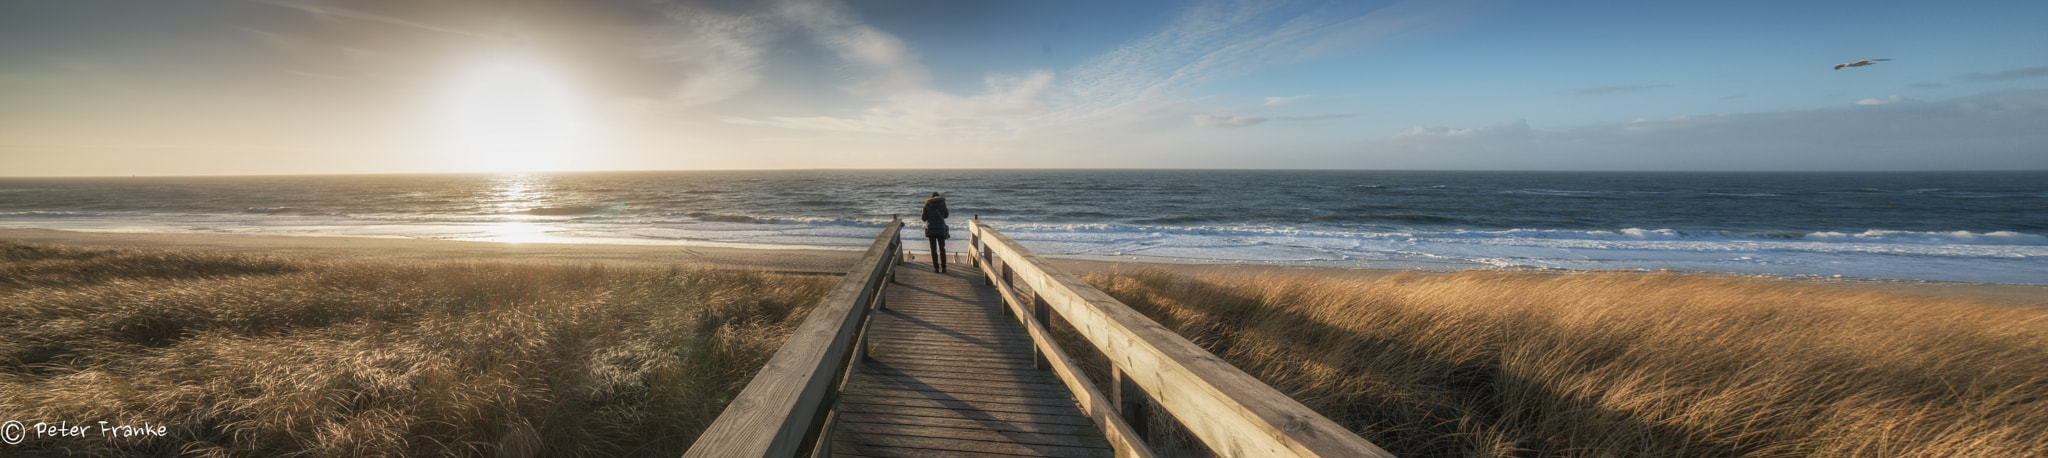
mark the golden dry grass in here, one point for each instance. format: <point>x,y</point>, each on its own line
<point>256,356</point>
<point>1625,364</point>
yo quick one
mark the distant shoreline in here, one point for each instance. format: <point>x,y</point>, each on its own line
<point>822,261</point>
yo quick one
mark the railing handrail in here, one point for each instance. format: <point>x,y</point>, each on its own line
<point>782,412</point>
<point>1231,412</point>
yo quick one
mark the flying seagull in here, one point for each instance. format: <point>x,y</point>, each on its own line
<point>1859,63</point>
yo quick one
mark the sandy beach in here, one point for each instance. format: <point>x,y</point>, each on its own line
<point>809,261</point>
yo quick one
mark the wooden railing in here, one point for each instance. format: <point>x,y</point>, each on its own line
<point>787,410</point>
<point>1230,412</point>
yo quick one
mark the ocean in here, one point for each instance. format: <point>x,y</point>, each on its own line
<point>1971,227</point>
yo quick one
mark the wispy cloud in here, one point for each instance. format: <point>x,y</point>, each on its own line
<point>2029,72</point>
<point>894,67</point>
<point>1149,81</point>
<point>1314,117</point>
<point>715,56</point>
<point>1283,101</point>
<point>1617,89</point>
<point>1516,128</point>
<point>1215,122</point>
<point>332,12</point>
<point>1880,101</point>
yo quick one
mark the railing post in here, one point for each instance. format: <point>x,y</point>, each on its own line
<point>1043,314</point>
<point>1131,402</point>
<point>990,278</point>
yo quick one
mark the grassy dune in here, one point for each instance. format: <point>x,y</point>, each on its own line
<point>1623,364</point>
<point>255,356</point>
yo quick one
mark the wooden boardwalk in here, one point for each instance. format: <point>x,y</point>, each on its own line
<point>931,365</point>
<point>951,375</point>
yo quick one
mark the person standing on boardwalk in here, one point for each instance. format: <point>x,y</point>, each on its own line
<point>935,228</point>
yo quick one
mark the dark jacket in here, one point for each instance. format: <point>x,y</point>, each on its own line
<point>935,218</point>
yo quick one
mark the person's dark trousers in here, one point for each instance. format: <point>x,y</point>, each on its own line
<point>939,254</point>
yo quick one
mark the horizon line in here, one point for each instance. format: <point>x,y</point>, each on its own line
<point>1216,169</point>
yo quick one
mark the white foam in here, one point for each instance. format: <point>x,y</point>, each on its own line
<point>1997,256</point>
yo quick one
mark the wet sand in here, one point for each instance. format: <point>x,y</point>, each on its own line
<point>805,261</point>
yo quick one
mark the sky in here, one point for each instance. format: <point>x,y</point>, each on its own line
<point>230,87</point>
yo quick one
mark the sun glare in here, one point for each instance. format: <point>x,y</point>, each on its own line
<point>513,114</point>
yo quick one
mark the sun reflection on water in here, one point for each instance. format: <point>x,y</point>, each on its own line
<point>510,197</point>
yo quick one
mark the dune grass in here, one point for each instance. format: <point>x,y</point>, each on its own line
<point>254,356</point>
<point>1624,364</point>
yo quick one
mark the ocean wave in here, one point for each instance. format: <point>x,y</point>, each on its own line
<point>1396,217</point>
<point>53,214</point>
<point>1867,236</point>
<point>569,210</point>
<point>1556,193</point>
<point>717,218</point>
<point>1947,237</point>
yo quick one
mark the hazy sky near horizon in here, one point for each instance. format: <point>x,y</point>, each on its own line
<point>202,87</point>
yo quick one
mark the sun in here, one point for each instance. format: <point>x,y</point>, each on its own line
<point>511,113</point>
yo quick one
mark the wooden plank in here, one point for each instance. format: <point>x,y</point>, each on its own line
<point>1042,385</point>
<point>915,310</point>
<point>912,316</point>
<point>889,352</point>
<point>971,336</point>
<point>973,446</point>
<point>968,338</point>
<point>934,341</point>
<point>780,408</point>
<point>876,383</point>
<point>914,366</point>
<point>841,448</point>
<point>919,307</point>
<point>957,404</point>
<point>911,309</point>
<point>962,362</point>
<point>1231,412</point>
<point>953,329</point>
<point>975,434</point>
<point>948,372</point>
<point>969,397</point>
<point>938,412</point>
<point>946,353</point>
<point>951,422</point>
<point>986,345</point>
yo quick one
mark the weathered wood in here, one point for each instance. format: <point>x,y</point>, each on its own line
<point>874,451</point>
<point>1015,418</point>
<point>944,352</point>
<point>1130,402</point>
<point>1229,410</point>
<point>975,434</point>
<point>870,390</point>
<point>1127,443</point>
<point>947,367</point>
<point>952,422</point>
<point>1039,385</point>
<point>781,411</point>
<point>974,446</point>
<point>894,384</point>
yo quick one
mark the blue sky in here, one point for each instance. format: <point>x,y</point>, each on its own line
<point>186,87</point>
